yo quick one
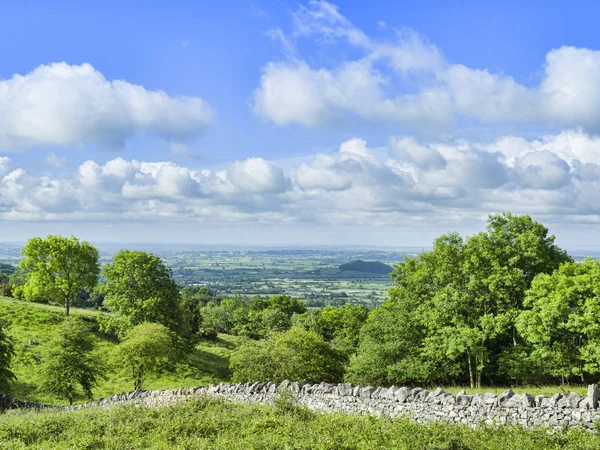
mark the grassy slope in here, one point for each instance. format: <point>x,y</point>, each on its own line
<point>30,324</point>
<point>209,361</point>
<point>214,424</point>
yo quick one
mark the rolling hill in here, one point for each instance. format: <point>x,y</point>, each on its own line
<point>367,267</point>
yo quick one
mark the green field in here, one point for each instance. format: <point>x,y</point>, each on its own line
<point>215,424</point>
<point>30,325</point>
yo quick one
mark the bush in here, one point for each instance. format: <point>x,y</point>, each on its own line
<point>296,354</point>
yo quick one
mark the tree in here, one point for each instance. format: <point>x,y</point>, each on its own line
<point>460,301</point>
<point>139,289</point>
<point>145,350</point>
<point>296,354</point>
<point>341,326</point>
<point>69,368</point>
<point>58,268</point>
<point>200,295</point>
<point>563,320</point>
<point>7,352</point>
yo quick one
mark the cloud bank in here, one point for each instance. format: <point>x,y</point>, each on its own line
<point>554,176</point>
<point>69,105</point>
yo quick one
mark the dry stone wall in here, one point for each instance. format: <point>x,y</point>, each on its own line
<point>558,411</point>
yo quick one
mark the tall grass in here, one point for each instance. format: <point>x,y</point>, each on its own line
<point>215,424</point>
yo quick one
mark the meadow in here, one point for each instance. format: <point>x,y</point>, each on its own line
<point>216,424</point>
<point>31,324</point>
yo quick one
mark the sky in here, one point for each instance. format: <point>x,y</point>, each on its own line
<point>288,123</point>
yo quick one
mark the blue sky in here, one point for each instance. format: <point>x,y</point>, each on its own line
<point>292,123</point>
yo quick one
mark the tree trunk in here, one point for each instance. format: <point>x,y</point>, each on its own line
<point>67,307</point>
<point>471,380</point>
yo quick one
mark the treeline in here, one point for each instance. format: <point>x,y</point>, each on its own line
<point>503,307</point>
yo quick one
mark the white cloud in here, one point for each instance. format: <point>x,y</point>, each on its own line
<point>70,105</point>
<point>556,175</point>
<point>408,80</point>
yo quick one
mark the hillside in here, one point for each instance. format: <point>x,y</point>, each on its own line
<point>375,267</point>
<point>30,324</point>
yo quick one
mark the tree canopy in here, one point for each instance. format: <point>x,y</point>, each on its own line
<point>58,268</point>
<point>144,351</point>
<point>296,354</point>
<point>459,303</point>
<point>7,351</point>
<point>562,320</point>
<point>139,289</point>
<point>69,368</point>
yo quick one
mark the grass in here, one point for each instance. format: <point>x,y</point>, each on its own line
<point>30,325</point>
<point>532,390</point>
<point>206,423</point>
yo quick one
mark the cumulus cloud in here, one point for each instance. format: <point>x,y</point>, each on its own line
<point>407,80</point>
<point>555,175</point>
<point>70,105</point>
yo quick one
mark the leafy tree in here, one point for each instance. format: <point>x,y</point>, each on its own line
<point>7,352</point>
<point>563,322</point>
<point>192,299</point>
<point>69,368</point>
<point>145,350</point>
<point>461,300</point>
<point>139,289</point>
<point>216,317</point>
<point>58,267</point>
<point>341,326</point>
<point>200,295</point>
<point>295,354</point>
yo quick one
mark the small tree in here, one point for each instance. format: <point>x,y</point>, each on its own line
<point>58,268</point>
<point>145,350</point>
<point>6,353</point>
<point>70,369</point>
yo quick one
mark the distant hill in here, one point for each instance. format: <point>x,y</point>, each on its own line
<point>367,267</point>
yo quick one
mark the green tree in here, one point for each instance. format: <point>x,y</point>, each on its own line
<point>139,289</point>
<point>295,354</point>
<point>69,368</point>
<point>200,295</point>
<point>341,326</point>
<point>7,351</point>
<point>462,299</point>
<point>563,320</point>
<point>57,268</point>
<point>145,350</point>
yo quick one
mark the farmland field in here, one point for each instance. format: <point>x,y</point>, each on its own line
<point>313,276</point>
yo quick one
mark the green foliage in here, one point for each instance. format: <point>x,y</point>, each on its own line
<point>31,325</point>
<point>200,295</point>
<point>563,320</point>
<point>192,298</point>
<point>295,354</point>
<point>139,289</point>
<point>7,352</point>
<point>69,369</point>
<point>145,350</point>
<point>455,307</point>
<point>215,424</point>
<point>254,318</point>
<point>58,268</point>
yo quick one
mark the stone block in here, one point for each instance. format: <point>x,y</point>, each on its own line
<point>593,396</point>
<point>367,391</point>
